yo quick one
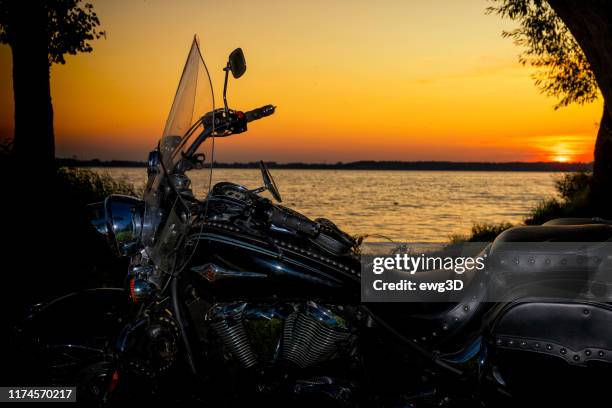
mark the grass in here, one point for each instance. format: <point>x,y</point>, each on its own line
<point>481,232</point>
<point>86,186</point>
<point>574,190</point>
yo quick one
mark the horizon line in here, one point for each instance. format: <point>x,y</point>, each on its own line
<point>364,165</point>
<point>76,159</point>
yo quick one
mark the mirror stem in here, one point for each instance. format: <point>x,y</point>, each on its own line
<point>226,69</point>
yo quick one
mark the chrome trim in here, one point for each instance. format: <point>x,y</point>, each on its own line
<point>325,316</point>
<point>124,218</point>
<point>258,249</point>
<point>213,273</point>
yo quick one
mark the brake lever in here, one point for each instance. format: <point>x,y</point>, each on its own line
<point>258,190</point>
<point>193,162</point>
<point>199,161</point>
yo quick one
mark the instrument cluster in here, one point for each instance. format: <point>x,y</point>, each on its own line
<point>231,190</point>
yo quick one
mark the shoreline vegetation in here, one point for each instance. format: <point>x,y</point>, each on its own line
<point>573,199</point>
<point>366,165</point>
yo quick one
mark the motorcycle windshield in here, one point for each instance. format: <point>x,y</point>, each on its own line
<point>193,99</point>
<point>162,225</point>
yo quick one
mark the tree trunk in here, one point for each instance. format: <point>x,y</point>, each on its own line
<point>34,137</point>
<point>590,22</point>
<point>602,168</point>
<point>601,188</point>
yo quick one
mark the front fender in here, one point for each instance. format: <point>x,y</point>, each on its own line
<point>78,316</point>
<point>71,331</point>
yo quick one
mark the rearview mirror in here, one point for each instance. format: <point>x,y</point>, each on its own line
<point>269,182</point>
<point>236,63</point>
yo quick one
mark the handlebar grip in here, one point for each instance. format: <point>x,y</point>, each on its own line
<point>287,220</point>
<point>259,113</point>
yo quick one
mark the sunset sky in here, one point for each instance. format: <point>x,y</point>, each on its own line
<point>352,80</point>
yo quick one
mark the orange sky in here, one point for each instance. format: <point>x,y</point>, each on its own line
<point>386,80</point>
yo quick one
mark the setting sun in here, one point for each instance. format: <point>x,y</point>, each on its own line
<point>563,148</point>
<point>561,159</point>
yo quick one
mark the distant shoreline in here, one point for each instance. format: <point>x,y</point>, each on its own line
<point>367,165</point>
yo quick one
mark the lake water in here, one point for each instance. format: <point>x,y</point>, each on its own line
<point>416,206</point>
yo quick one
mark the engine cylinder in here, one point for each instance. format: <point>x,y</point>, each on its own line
<point>226,320</point>
<point>311,335</point>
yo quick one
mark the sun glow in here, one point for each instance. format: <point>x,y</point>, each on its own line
<point>564,148</point>
<point>562,159</point>
<point>563,153</point>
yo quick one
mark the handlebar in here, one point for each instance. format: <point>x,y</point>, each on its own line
<point>259,113</point>
<point>235,125</point>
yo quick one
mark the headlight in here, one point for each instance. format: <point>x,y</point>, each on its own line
<point>120,219</point>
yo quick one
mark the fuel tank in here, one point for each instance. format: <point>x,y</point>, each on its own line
<point>234,254</point>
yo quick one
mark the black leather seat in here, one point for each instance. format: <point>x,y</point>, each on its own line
<point>578,221</point>
<point>559,230</point>
<point>454,326</point>
<point>541,344</point>
<point>557,260</point>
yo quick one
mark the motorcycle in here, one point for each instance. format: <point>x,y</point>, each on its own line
<point>233,299</point>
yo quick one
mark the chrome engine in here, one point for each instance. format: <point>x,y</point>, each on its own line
<point>300,334</point>
<point>227,321</point>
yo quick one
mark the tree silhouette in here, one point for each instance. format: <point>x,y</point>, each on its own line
<point>40,33</point>
<point>570,42</point>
